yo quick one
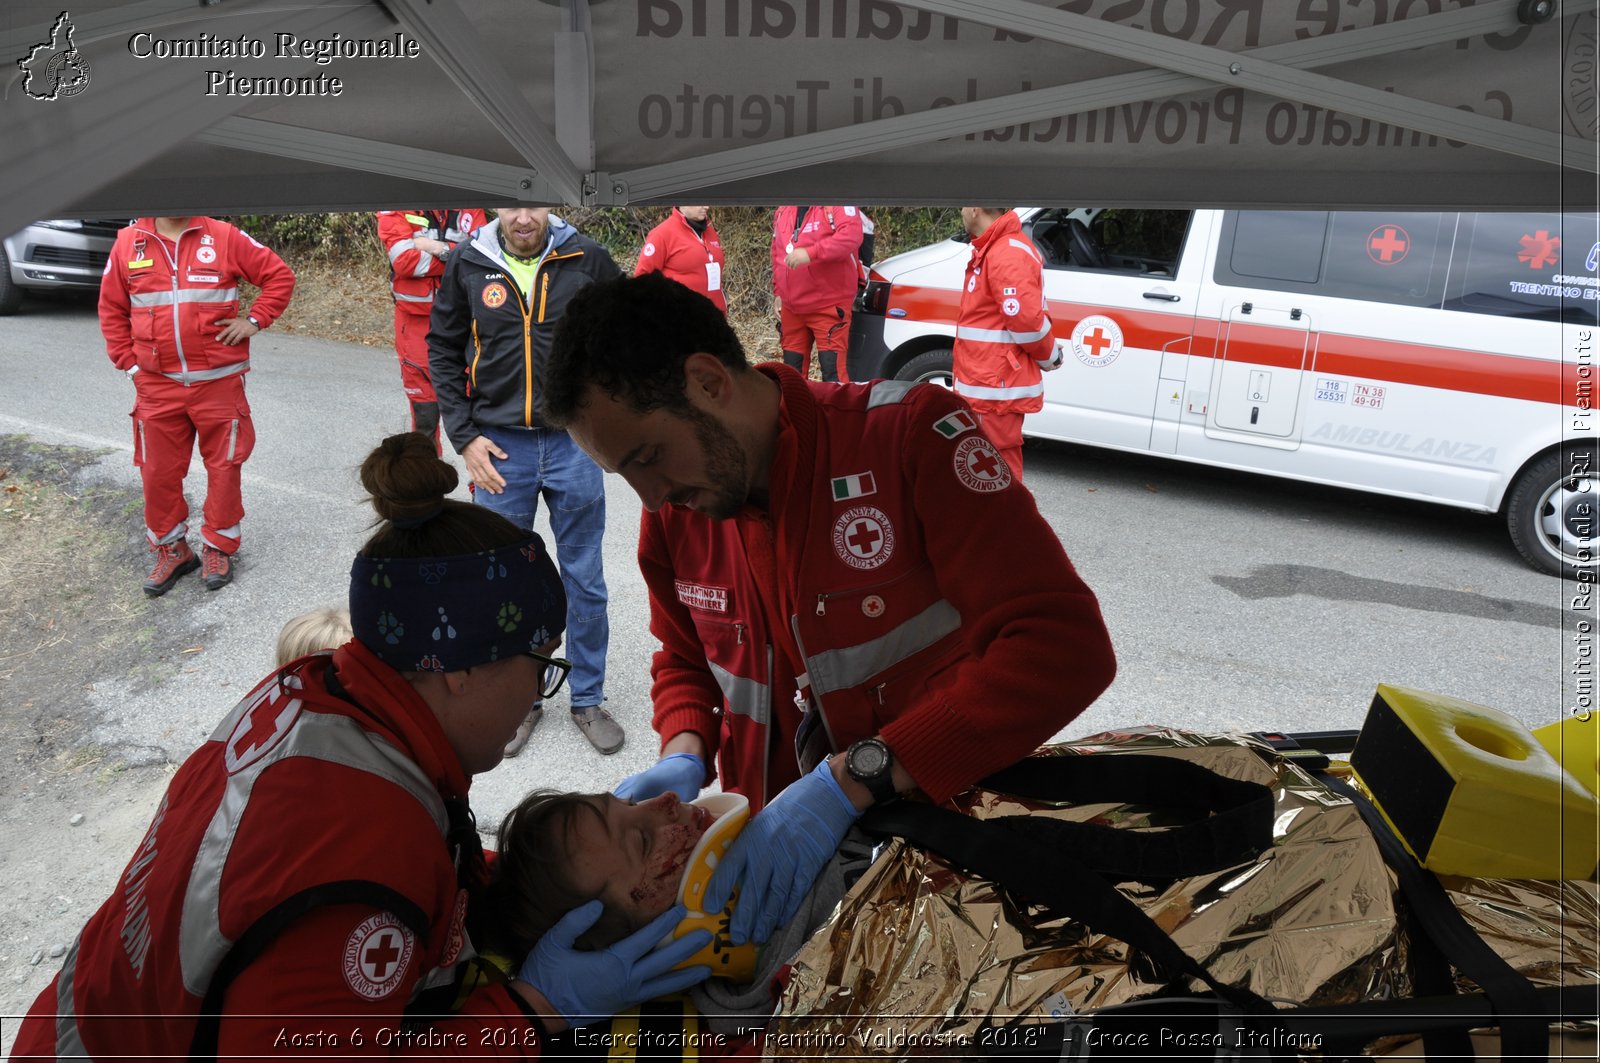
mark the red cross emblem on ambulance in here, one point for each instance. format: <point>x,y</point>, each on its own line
<point>1096,341</point>
<point>1388,244</point>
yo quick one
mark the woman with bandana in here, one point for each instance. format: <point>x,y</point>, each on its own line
<point>305,885</point>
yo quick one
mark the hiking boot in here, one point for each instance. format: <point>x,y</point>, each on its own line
<point>604,733</point>
<point>217,568</point>
<point>525,729</point>
<point>173,562</point>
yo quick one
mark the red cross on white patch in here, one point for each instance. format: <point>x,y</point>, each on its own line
<point>1096,341</point>
<point>267,717</point>
<point>863,537</point>
<point>376,956</point>
<point>980,467</point>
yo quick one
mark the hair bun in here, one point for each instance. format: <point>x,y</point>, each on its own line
<point>406,478</point>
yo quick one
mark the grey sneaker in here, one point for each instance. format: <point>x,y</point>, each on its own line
<point>604,733</point>
<point>525,730</point>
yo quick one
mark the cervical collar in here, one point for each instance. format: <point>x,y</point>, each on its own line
<point>726,960</point>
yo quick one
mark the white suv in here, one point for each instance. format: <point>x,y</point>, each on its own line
<point>55,254</point>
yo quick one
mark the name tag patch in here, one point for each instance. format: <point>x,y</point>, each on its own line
<point>205,278</point>
<point>703,597</point>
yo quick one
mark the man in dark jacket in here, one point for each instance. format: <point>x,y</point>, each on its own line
<point>494,317</point>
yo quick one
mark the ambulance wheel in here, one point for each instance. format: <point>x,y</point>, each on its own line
<point>10,294</point>
<point>1553,512</point>
<point>930,367</point>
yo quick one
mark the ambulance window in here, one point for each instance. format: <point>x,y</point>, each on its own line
<point>1274,245</point>
<point>1541,266</point>
<point>1388,257</point>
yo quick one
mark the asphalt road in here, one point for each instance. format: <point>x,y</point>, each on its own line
<point>1235,601</point>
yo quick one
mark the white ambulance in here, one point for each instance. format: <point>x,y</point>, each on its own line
<point>1443,357</point>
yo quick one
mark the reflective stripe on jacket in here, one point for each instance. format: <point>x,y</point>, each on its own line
<point>413,273</point>
<point>923,597</point>
<point>1003,330</point>
<point>306,816</point>
<point>160,302</point>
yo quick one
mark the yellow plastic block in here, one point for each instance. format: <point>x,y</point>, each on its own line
<point>1470,791</point>
<point>725,959</point>
<point>1575,743</point>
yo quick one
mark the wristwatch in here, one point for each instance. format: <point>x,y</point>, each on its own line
<point>868,762</point>
<point>252,319</point>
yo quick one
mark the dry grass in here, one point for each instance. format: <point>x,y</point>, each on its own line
<point>51,601</point>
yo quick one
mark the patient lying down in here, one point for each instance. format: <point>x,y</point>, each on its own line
<point>561,850</point>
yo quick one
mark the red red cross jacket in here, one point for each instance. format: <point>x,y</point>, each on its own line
<point>933,603</point>
<point>832,236</point>
<point>1003,340</point>
<point>296,880</point>
<point>159,308</point>
<point>692,259</point>
<point>414,274</point>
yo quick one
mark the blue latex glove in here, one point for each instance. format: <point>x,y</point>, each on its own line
<point>589,986</point>
<point>682,773</point>
<point>777,856</point>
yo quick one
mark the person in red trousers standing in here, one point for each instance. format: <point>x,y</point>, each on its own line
<point>171,317</point>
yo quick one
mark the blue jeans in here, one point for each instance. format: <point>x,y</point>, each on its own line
<point>546,461</point>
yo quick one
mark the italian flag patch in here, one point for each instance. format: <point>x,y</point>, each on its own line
<point>857,486</point>
<point>955,424</point>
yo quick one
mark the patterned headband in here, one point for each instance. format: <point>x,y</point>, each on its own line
<point>447,614</point>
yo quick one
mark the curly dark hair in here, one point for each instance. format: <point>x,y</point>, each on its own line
<point>629,337</point>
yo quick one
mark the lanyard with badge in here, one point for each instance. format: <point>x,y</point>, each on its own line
<point>713,267</point>
<point>799,224</point>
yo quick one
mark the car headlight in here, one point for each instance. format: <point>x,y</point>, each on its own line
<point>60,223</point>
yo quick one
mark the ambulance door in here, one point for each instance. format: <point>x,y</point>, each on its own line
<point>1265,335</point>
<point>1121,286</point>
<point>1262,355</point>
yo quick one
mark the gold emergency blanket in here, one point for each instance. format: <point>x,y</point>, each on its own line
<point>920,959</point>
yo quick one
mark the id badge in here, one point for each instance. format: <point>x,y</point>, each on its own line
<point>713,276</point>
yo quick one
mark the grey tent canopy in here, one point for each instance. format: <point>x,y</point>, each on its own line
<point>246,106</point>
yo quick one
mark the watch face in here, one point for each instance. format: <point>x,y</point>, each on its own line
<point>868,759</point>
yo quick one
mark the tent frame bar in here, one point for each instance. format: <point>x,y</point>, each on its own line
<point>445,33</point>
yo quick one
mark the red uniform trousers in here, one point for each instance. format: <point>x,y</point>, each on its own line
<point>167,419</point>
<point>411,344</point>
<point>1004,430</point>
<point>828,328</point>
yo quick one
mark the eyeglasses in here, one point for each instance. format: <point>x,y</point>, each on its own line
<point>553,676</point>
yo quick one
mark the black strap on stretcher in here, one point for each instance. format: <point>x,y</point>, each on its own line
<point>1061,866</point>
<point>1524,1030</point>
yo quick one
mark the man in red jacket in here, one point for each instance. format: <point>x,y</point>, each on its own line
<point>417,242</point>
<point>686,248</point>
<point>814,280</point>
<point>170,314</point>
<point>1003,340</point>
<point>854,596</point>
